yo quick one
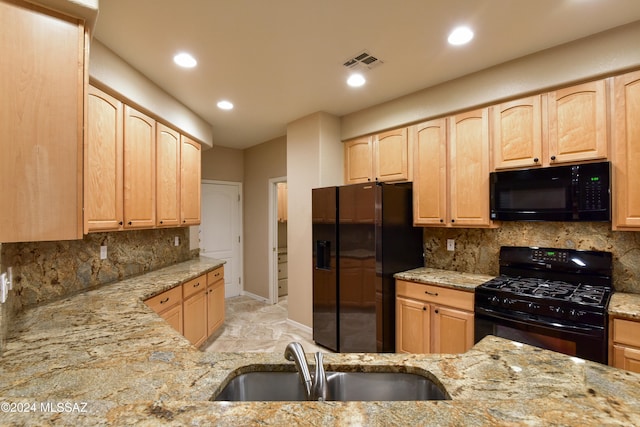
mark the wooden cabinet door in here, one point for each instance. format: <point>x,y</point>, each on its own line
<point>517,133</point>
<point>626,152</point>
<point>139,169</point>
<point>195,317</point>
<point>282,202</point>
<point>42,75</point>
<point>626,358</point>
<point>103,163</point>
<point>391,156</point>
<point>215,306</point>
<point>174,317</point>
<point>578,123</point>
<point>167,176</point>
<point>452,330</point>
<point>413,326</point>
<point>430,172</point>
<point>190,181</point>
<point>358,160</point>
<point>469,168</point>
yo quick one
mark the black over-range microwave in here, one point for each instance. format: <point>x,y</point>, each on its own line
<point>561,193</point>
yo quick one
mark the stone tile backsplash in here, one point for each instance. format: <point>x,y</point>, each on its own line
<point>477,250</point>
<point>45,271</point>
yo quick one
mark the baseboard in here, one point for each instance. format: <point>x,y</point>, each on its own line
<point>254,296</point>
<point>300,326</point>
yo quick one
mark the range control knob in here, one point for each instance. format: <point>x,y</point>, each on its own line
<point>494,300</point>
<point>556,310</point>
<point>506,301</point>
<point>576,314</point>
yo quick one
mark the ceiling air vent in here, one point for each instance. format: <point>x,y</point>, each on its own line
<point>364,59</point>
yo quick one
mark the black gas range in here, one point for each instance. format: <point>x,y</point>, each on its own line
<point>551,298</point>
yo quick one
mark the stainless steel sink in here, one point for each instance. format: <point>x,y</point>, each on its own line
<point>342,386</point>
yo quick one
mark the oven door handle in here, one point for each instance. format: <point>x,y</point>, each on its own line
<point>590,330</point>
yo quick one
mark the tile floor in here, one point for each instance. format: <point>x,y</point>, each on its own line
<point>255,326</point>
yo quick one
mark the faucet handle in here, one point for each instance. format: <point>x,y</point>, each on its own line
<point>319,385</point>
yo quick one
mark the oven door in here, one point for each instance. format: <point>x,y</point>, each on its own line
<point>586,342</point>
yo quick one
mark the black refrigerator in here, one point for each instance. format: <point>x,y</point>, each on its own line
<point>362,235</point>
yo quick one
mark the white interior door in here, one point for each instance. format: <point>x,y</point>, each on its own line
<point>221,229</point>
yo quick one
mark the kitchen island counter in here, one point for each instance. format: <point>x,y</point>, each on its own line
<point>104,358</point>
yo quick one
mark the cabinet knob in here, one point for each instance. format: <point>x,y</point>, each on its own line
<point>161,222</point>
<point>441,220</point>
<point>196,285</point>
<point>536,160</point>
<point>120,223</point>
<point>453,220</point>
<point>553,158</point>
<point>424,308</point>
<point>129,223</point>
<point>437,311</point>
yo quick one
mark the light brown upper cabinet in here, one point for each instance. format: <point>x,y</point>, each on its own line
<point>381,157</point>
<point>139,169</point>
<point>358,160</point>
<point>517,133</point>
<point>42,79</point>
<point>190,181</point>
<point>626,152</point>
<point>430,195</point>
<point>282,201</point>
<point>577,123</point>
<point>103,159</point>
<point>167,176</point>
<point>451,171</point>
<point>469,167</point>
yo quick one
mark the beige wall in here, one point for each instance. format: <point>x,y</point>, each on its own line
<point>591,57</point>
<point>314,159</point>
<point>109,71</point>
<point>223,164</point>
<point>261,163</point>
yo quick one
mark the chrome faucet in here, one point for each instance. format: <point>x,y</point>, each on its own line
<point>316,387</point>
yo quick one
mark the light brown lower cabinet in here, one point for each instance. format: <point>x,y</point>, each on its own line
<point>624,344</point>
<point>194,294</point>
<point>215,300</point>
<point>169,306</point>
<point>196,308</point>
<point>433,319</point>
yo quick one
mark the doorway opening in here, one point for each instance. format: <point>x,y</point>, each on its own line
<point>278,206</point>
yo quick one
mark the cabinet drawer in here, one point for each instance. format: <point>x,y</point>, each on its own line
<point>194,286</point>
<point>215,275</point>
<point>282,270</point>
<point>165,300</point>
<point>436,294</point>
<point>626,332</point>
<point>282,258</point>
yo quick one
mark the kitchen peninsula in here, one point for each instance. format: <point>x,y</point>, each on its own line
<point>119,363</point>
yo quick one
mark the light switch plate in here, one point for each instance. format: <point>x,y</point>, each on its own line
<point>103,252</point>
<point>4,288</point>
<point>177,241</point>
<point>451,245</point>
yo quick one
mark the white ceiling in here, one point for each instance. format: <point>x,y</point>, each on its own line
<point>280,60</point>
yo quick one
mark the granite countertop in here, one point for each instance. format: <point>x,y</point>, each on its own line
<point>625,305</point>
<point>104,358</point>
<point>450,279</point>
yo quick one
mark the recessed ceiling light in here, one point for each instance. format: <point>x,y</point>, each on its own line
<point>460,36</point>
<point>185,60</point>
<point>356,80</point>
<point>225,105</point>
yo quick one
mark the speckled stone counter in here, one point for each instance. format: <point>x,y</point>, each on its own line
<point>625,305</point>
<point>451,279</point>
<point>104,358</point>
